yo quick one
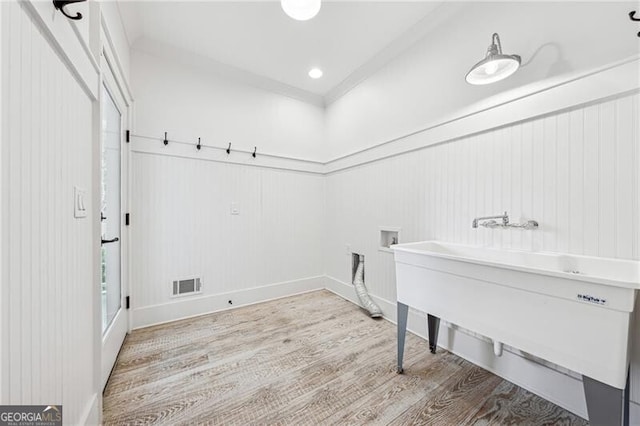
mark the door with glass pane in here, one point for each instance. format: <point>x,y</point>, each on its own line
<point>114,321</point>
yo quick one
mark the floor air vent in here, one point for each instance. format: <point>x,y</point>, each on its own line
<point>186,287</point>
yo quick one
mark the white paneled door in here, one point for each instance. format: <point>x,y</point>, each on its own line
<point>114,319</point>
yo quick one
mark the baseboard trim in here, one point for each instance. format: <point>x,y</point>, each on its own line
<point>93,412</point>
<point>196,306</point>
<point>553,385</point>
<point>634,413</point>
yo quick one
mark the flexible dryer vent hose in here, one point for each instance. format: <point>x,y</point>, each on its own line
<point>361,291</point>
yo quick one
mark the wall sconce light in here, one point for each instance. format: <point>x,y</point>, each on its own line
<point>495,66</point>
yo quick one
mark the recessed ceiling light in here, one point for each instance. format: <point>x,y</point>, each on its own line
<point>301,10</point>
<point>315,73</point>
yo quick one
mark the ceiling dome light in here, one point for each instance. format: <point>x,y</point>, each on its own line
<point>315,73</point>
<point>301,10</point>
<point>495,66</point>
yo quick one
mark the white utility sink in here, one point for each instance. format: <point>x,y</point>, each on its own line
<point>574,311</point>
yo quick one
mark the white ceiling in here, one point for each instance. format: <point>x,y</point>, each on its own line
<point>345,39</point>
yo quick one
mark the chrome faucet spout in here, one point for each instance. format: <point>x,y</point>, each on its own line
<point>504,217</point>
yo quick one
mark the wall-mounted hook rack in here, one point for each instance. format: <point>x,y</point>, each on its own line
<point>60,4</point>
<point>199,145</point>
<point>632,16</point>
<point>213,151</point>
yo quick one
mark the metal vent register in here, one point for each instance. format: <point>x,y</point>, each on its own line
<point>187,286</point>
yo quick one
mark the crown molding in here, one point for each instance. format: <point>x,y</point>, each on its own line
<point>229,72</point>
<point>417,32</point>
<point>440,13</point>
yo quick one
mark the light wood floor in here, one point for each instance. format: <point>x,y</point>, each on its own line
<point>307,359</point>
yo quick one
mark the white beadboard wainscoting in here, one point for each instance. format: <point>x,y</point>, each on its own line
<point>50,324</point>
<point>574,171</point>
<point>182,227</point>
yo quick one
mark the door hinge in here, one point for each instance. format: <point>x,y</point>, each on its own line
<point>126,219</point>
<point>128,136</point>
<point>126,301</point>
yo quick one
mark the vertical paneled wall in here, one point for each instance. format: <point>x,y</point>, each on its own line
<point>575,172</point>
<point>47,282</point>
<point>182,227</point>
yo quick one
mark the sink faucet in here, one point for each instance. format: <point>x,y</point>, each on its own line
<point>504,217</point>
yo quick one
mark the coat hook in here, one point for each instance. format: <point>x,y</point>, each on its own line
<point>229,148</point>
<point>60,4</point>
<point>632,16</point>
<point>166,141</point>
<point>254,152</point>
<point>199,145</point>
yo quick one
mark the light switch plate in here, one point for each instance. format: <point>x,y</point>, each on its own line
<point>235,210</point>
<point>79,202</point>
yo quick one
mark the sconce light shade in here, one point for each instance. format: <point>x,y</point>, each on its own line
<point>495,66</point>
<point>301,10</point>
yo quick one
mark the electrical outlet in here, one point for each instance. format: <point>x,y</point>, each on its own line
<point>235,210</point>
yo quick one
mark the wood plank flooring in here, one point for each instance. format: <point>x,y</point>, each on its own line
<point>308,359</point>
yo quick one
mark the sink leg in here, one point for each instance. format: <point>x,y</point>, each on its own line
<point>403,311</point>
<point>433,325</point>
<point>606,405</point>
